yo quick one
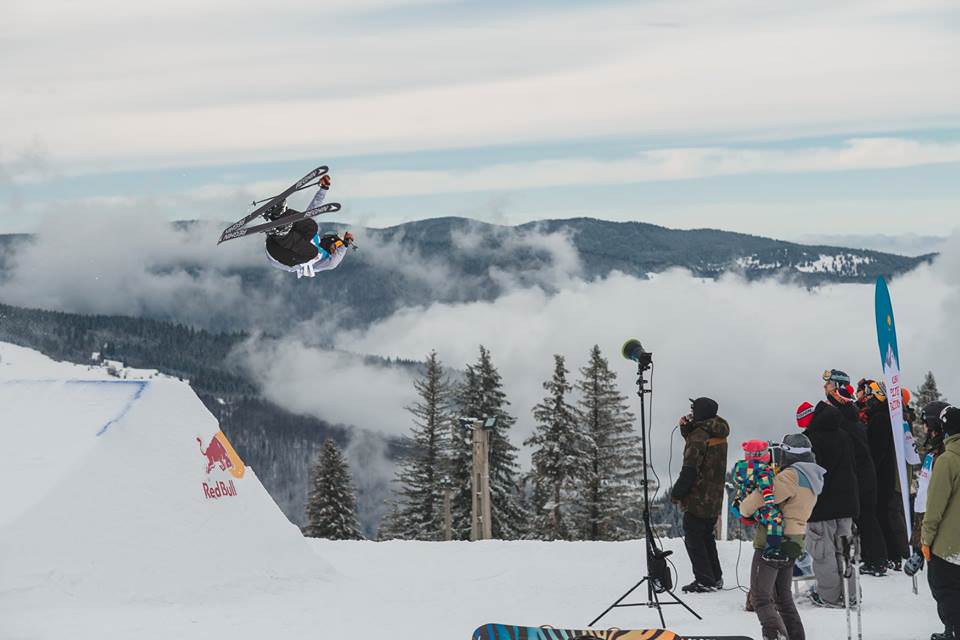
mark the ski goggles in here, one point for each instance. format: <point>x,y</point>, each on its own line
<point>786,448</point>
<point>836,376</point>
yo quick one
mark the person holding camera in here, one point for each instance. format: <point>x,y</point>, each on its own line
<point>699,490</point>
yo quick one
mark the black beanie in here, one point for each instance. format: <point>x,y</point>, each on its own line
<point>703,408</point>
<point>951,420</point>
<point>931,414</point>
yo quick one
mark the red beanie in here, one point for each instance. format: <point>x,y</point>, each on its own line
<point>804,415</point>
<point>756,450</point>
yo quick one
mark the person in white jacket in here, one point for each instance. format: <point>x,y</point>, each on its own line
<point>299,248</point>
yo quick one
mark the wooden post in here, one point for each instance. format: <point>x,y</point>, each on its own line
<point>487,522</point>
<point>481,526</point>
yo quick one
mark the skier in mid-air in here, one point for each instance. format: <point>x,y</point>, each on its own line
<point>299,247</point>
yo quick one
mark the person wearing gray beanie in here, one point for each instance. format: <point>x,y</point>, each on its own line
<point>795,487</point>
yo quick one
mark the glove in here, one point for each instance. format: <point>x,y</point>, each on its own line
<point>925,550</point>
<point>735,510</point>
<point>325,182</point>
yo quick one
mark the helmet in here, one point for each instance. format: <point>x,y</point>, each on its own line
<point>931,414</point>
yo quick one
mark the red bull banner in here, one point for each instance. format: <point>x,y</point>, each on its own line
<point>221,458</point>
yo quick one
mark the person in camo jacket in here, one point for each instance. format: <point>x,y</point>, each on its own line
<point>699,490</point>
<point>940,532</point>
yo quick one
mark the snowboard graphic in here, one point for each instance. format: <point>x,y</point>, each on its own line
<point>509,632</point>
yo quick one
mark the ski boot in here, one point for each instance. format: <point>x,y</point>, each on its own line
<point>948,634</point>
<point>274,212</point>
<point>895,565</point>
<point>817,600</point>
<point>698,587</point>
<point>873,569</point>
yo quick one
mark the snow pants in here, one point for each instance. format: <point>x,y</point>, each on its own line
<point>890,515</point>
<point>698,538</point>
<point>826,549</point>
<point>295,247</point>
<point>770,590</point>
<point>873,546</point>
<point>944,579</point>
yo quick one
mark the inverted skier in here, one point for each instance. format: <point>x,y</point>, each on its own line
<point>299,247</point>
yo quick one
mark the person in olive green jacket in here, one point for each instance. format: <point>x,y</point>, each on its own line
<point>940,533</point>
<point>699,490</point>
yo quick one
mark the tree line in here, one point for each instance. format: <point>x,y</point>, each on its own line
<point>584,480</point>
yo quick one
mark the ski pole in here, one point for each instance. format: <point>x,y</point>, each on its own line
<point>856,569</point>
<point>840,543</point>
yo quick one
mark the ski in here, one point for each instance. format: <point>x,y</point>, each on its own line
<point>290,218</point>
<point>511,632</point>
<point>302,183</point>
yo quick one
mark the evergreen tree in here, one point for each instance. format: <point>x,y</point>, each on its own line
<point>481,396</point>
<point>928,392</point>
<point>614,463</point>
<point>558,459</point>
<point>425,465</point>
<point>388,524</point>
<point>331,503</point>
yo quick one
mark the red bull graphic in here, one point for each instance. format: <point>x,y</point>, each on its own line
<point>216,455</point>
<point>219,490</point>
<point>219,453</point>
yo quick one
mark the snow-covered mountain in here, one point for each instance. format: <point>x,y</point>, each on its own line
<point>452,260</point>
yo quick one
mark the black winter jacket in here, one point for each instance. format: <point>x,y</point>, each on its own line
<point>866,470</point>
<point>833,448</point>
<point>880,437</point>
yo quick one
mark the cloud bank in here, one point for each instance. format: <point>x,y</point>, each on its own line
<point>245,81</point>
<point>91,262</point>
<point>756,347</point>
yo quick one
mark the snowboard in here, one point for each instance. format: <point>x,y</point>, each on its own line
<point>508,632</point>
<point>230,232</point>
<point>290,218</point>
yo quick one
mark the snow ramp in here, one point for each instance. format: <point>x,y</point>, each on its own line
<point>115,487</point>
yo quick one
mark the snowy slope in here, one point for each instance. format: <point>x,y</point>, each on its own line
<point>111,536</point>
<point>104,494</point>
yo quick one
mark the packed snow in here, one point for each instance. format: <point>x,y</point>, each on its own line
<point>107,531</point>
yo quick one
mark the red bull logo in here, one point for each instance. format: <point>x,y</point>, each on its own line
<point>216,454</point>
<point>219,453</point>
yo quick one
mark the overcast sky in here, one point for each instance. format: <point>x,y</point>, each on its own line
<point>779,119</point>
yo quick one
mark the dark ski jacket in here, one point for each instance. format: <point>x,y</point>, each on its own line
<point>833,448</point>
<point>880,436</point>
<point>700,486</point>
<point>866,470</point>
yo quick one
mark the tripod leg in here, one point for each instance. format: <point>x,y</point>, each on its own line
<point>617,603</point>
<point>679,601</point>
<point>656,603</point>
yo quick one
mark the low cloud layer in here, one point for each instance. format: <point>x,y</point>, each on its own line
<point>90,262</point>
<point>757,347</point>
